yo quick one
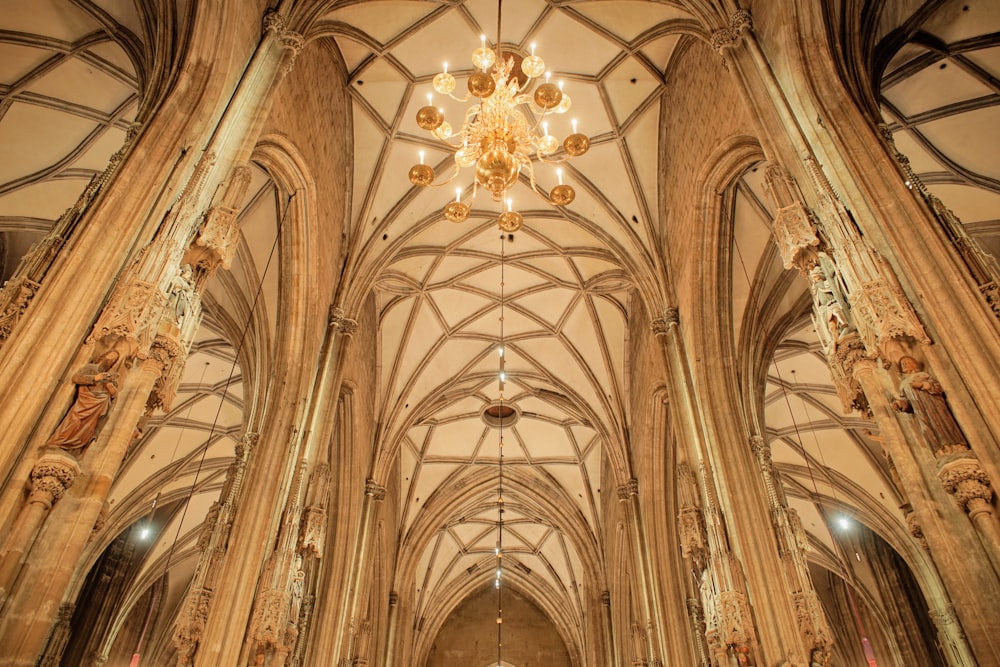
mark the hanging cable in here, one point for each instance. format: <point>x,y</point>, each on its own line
<point>752,301</point>
<point>229,380</point>
<point>502,377</point>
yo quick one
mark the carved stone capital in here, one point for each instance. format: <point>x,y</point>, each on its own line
<point>292,41</point>
<point>339,320</point>
<point>965,479</point>
<point>628,490</point>
<point>274,22</point>
<point>374,489</point>
<point>51,476</point>
<point>669,318</point>
<point>728,36</point>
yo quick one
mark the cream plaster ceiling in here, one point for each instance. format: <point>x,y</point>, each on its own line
<point>70,91</point>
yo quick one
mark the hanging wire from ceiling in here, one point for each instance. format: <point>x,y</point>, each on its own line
<point>222,401</point>
<point>501,378</point>
<point>845,574</point>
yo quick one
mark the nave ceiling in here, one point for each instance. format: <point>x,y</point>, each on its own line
<point>71,77</point>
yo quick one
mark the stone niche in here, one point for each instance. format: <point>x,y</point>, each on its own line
<point>469,636</point>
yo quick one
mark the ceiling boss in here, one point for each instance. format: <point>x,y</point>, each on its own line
<point>505,132</point>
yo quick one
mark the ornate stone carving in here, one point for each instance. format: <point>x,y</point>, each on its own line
<point>51,476</point>
<point>219,235</point>
<point>131,313</point>
<point>662,324</point>
<point>728,36</point>
<point>393,598</point>
<point>190,624</point>
<point>14,299</point>
<point>275,22</point>
<point>171,355</point>
<point>628,489</point>
<point>964,478</point>
<point>313,530</point>
<point>338,319</point>
<point>796,237</point>
<point>913,526</point>
<point>374,489</point>
<point>844,362</point>
<point>882,313</point>
<point>693,538</point>
<point>606,598</point>
<point>735,618</point>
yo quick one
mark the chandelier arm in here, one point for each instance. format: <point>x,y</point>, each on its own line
<point>554,160</point>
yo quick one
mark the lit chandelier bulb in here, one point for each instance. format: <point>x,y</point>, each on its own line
<point>444,83</point>
<point>483,57</point>
<point>561,195</point>
<point>576,144</point>
<point>429,117</point>
<point>564,102</point>
<point>533,66</point>
<point>547,95</point>
<point>547,144</point>
<point>510,221</point>
<point>421,174</point>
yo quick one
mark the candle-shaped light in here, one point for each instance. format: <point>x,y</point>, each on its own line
<point>421,157</point>
<point>458,194</point>
<point>573,123</point>
<point>559,174</point>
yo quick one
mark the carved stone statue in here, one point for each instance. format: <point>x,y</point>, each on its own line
<point>828,302</point>
<point>298,584</point>
<point>182,293</point>
<point>923,396</point>
<point>96,387</point>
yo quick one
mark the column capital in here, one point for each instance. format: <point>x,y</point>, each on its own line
<point>728,36</point>
<point>965,479</point>
<point>51,476</point>
<point>374,489</point>
<point>339,319</point>
<point>628,489</point>
<point>669,318</point>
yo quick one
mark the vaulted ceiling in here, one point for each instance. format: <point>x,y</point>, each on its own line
<point>555,295</point>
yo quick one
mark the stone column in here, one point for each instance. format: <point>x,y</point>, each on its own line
<point>965,569</point>
<point>35,599</point>
<point>374,495</point>
<point>390,636</point>
<point>253,530</point>
<point>52,475</point>
<point>628,494</point>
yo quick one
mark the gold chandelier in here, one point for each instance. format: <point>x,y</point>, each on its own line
<point>505,132</point>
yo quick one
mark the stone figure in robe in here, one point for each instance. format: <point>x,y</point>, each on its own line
<point>923,396</point>
<point>182,293</point>
<point>95,389</point>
